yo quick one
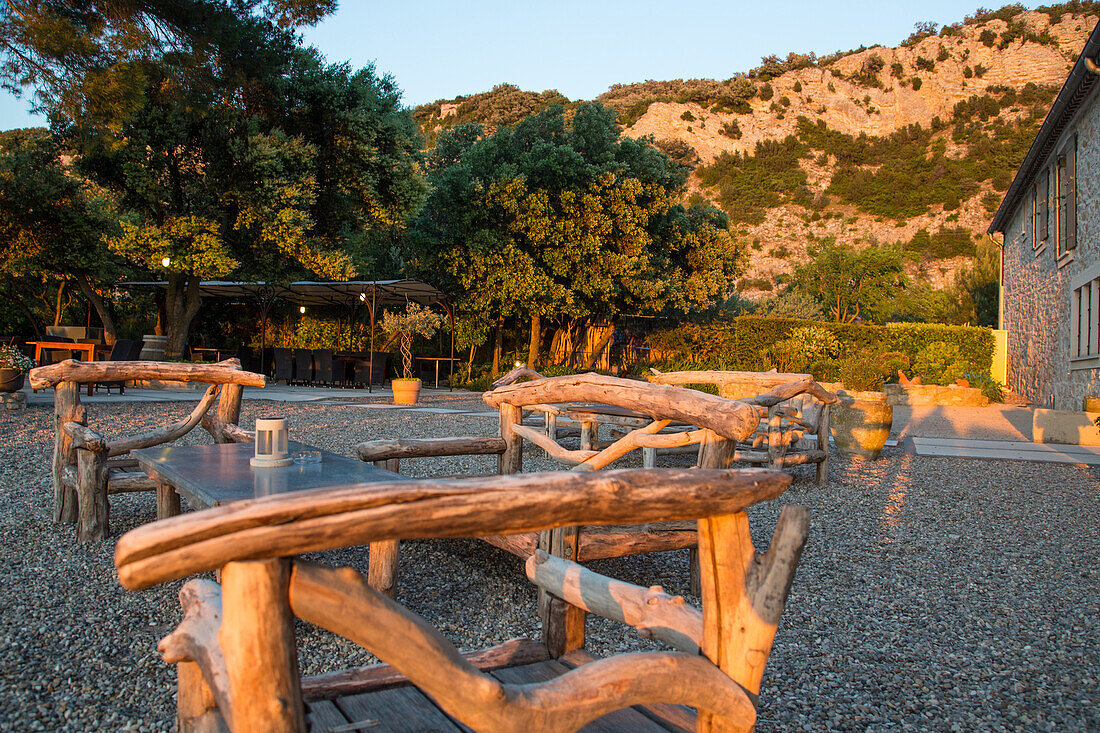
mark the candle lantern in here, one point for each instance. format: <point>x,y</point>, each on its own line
<point>271,443</point>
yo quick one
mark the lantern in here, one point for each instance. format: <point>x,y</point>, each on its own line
<point>271,443</point>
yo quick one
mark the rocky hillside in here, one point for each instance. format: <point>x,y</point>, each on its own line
<point>913,144</point>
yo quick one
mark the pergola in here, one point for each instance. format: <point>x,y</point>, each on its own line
<point>349,293</point>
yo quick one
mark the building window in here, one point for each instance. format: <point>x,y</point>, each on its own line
<point>1084,317</point>
<point>1043,196</point>
<point>1035,217</point>
<point>1065,208</point>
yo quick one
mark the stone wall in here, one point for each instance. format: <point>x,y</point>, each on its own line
<point>1037,288</point>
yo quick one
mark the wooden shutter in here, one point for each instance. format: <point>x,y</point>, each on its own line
<point>1070,194</point>
<point>1044,205</point>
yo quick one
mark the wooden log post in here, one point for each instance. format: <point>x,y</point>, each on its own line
<point>776,449</point>
<point>511,460</point>
<point>196,708</point>
<point>168,501</point>
<point>562,622</point>
<point>67,407</point>
<point>714,452</point>
<point>229,410</point>
<point>257,639</point>
<point>822,476</point>
<point>91,489</point>
<point>743,596</point>
<point>384,560</point>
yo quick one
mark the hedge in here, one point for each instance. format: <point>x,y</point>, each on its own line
<point>743,343</point>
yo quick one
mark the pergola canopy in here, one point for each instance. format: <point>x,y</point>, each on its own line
<point>306,292</point>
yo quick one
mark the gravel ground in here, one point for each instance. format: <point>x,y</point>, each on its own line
<point>933,593</point>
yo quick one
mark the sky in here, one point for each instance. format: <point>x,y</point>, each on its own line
<point>439,50</point>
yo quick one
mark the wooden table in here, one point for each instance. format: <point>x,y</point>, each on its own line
<point>39,346</point>
<point>213,475</point>
<point>437,359</point>
<point>203,351</point>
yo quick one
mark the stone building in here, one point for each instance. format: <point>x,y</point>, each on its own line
<point>1050,256</point>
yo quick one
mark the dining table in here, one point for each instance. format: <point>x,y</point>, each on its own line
<point>40,346</point>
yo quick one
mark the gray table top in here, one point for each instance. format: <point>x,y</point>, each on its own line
<point>211,475</point>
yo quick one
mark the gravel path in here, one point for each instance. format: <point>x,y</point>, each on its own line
<point>933,593</point>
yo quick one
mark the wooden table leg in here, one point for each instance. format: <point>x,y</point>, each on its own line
<point>168,501</point>
<point>588,434</point>
<point>383,562</point>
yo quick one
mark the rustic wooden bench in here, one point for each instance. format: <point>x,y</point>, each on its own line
<point>236,647</point>
<point>87,468</point>
<point>794,412</point>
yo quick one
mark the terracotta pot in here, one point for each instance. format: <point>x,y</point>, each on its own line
<point>405,391</point>
<point>861,423</point>
<point>11,380</point>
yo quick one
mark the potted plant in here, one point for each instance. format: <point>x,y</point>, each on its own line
<point>861,423</point>
<point>415,321</point>
<point>13,366</point>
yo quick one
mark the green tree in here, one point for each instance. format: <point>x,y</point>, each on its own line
<point>80,53</point>
<point>852,284</point>
<point>52,227</point>
<point>551,218</point>
<point>309,171</point>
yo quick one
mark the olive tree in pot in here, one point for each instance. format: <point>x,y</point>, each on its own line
<point>415,321</point>
<point>861,423</point>
<point>13,367</point>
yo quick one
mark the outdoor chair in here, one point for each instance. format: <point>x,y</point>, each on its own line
<point>87,468</point>
<point>303,366</point>
<point>122,350</point>
<point>713,425</point>
<point>245,357</point>
<point>365,374</point>
<point>236,649</point>
<point>284,365</point>
<point>327,369</point>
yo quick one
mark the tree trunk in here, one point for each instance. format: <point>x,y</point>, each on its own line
<point>536,341</point>
<point>470,364</point>
<point>498,346</point>
<point>59,307</point>
<point>100,307</point>
<point>182,304</point>
<point>161,327</point>
<point>578,331</point>
<point>590,360</point>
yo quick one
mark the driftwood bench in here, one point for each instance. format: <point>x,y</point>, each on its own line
<point>794,411</point>
<point>236,648</point>
<point>87,468</point>
<point>719,424</point>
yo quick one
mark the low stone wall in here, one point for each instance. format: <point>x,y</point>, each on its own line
<point>921,395</point>
<point>1065,427</point>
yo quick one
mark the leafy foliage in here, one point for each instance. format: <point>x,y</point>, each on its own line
<point>851,284</point>
<point>504,104</point>
<point>748,185</point>
<point>743,342</point>
<point>547,218</point>
<point>631,101</point>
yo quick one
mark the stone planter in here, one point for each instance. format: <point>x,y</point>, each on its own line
<point>153,347</point>
<point>11,380</point>
<point>861,423</point>
<point>405,391</point>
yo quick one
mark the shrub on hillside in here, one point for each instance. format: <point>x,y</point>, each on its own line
<point>766,92</point>
<point>988,37</point>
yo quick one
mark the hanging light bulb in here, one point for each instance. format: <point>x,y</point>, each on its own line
<point>302,309</point>
<point>165,262</point>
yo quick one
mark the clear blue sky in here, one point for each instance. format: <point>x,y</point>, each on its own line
<point>438,49</point>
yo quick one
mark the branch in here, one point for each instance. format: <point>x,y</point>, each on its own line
<point>82,372</point>
<point>291,524</point>
<point>196,639</point>
<point>655,614</point>
<point>169,433</point>
<point>343,602</point>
